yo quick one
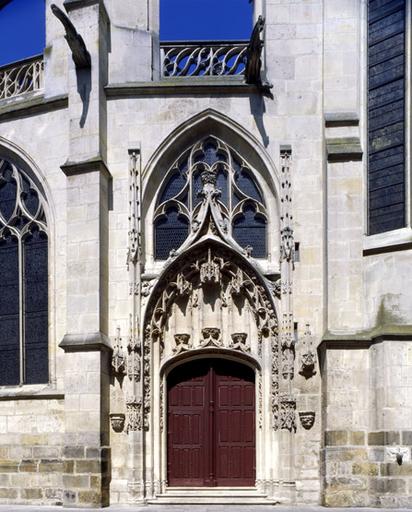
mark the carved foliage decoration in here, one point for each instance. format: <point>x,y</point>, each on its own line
<point>239,342</point>
<point>235,285</point>
<point>182,343</point>
<point>287,245</point>
<point>287,417</point>
<point>275,382</point>
<point>134,414</point>
<point>211,337</point>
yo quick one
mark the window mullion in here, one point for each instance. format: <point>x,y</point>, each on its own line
<point>21,309</point>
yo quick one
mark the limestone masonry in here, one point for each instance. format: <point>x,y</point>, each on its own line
<point>228,268</point>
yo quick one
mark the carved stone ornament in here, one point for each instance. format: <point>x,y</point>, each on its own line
<point>211,337</point>
<point>182,343</point>
<point>134,414</point>
<point>307,419</point>
<point>147,288</point>
<point>308,357</point>
<point>275,383</point>
<point>118,356</point>
<point>147,354</point>
<point>288,414</point>
<point>133,366</point>
<point>288,362</point>
<point>253,71</point>
<point>239,342</point>
<point>117,421</point>
<point>400,454</point>
<point>210,270</point>
<point>80,55</point>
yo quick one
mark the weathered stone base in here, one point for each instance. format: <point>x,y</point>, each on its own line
<point>31,472</point>
<point>86,476</point>
<point>365,469</point>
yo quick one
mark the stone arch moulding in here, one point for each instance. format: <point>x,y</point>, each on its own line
<point>14,153</point>
<point>209,302</point>
<point>210,123</point>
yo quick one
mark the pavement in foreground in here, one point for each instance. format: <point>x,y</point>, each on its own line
<point>195,508</point>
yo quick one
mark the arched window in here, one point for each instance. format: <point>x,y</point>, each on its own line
<point>240,199</point>
<point>23,279</point>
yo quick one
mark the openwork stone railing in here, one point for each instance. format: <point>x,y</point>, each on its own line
<point>211,58</point>
<point>21,77</point>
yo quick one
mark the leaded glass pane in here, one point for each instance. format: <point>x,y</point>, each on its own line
<point>247,185</point>
<point>249,230</point>
<point>36,306</point>
<point>8,192</point>
<point>171,232</point>
<point>23,279</point>
<point>9,311</point>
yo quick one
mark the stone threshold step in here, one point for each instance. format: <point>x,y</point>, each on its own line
<point>212,491</point>
<point>211,500</point>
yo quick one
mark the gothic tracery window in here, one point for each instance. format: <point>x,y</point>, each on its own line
<point>23,279</point>
<point>240,199</point>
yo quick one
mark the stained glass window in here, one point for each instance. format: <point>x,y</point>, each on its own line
<point>23,279</point>
<point>239,198</point>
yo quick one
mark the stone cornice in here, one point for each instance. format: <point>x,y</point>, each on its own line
<point>365,339</point>
<point>186,87</point>
<point>95,341</point>
<point>31,105</point>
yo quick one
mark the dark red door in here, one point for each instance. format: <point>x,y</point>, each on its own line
<point>211,424</point>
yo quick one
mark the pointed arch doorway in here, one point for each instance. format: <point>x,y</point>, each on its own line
<point>211,424</point>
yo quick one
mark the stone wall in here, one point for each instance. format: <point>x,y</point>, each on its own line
<point>31,451</point>
<point>368,469</point>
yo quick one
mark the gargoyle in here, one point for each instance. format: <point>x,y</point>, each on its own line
<point>80,55</point>
<point>253,71</point>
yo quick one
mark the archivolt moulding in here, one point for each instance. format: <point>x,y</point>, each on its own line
<point>209,122</point>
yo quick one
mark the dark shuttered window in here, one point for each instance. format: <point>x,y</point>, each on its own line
<point>386,114</point>
<point>23,280</point>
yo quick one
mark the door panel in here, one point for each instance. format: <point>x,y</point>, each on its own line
<point>234,425</point>
<point>211,424</point>
<point>187,427</point>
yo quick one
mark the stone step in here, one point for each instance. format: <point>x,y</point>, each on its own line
<point>222,496</point>
<point>211,500</point>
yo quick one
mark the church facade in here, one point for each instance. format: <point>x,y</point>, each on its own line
<point>205,253</point>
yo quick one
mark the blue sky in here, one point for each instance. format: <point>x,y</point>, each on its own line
<point>205,19</point>
<point>22,23</point>
<point>22,31</point>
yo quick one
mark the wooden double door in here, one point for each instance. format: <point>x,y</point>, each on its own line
<point>211,424</point>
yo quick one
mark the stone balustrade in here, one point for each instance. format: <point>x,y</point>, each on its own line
<point>201,59</point>
<point>21,77</point>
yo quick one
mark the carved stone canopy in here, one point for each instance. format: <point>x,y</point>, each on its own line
<point>211,298</point>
